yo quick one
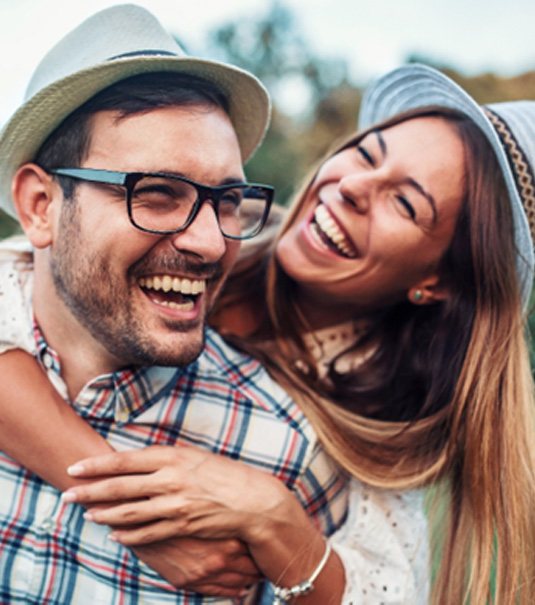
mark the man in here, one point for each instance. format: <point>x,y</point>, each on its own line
<point>125,169</point>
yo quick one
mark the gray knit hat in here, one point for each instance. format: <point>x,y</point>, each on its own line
<point>509,127</point>
<point>112,45</point>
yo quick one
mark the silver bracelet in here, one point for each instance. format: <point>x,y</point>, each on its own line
<point>283,595</point>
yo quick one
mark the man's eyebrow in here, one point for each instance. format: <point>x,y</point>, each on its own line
<point>409,181</point>
<point>229,180</point>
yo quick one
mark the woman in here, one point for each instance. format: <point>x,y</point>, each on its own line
<point>395,319</point>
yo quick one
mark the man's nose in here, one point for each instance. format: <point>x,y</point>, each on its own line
<point>203,237</point>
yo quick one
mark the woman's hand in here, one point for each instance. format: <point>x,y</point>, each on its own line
<point>161,492</point>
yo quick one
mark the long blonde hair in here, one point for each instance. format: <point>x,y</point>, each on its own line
<point>473,434</point>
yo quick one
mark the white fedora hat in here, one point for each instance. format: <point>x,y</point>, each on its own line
<point>112,45</point>
<point>509,128</point>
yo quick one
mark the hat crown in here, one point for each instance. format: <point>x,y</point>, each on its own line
<point>115,44</point>
<point>122,30</point>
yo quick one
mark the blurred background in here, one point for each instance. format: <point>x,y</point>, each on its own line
<point>314,56</point>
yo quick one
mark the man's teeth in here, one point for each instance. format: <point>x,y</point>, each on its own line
<point>169,283</point>
<point>185,306</point>
<point>330,229</point>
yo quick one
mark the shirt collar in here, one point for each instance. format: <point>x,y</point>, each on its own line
<point>123,394</point>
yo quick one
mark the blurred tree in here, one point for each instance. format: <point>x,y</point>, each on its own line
<point>272,47</point>
<point>487,87</point>
<point>334,117</point>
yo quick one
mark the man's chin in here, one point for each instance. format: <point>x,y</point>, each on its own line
<point>179,350</point>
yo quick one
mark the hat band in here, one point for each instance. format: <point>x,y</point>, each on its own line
<point>524,177</point>
<point>142,53</point>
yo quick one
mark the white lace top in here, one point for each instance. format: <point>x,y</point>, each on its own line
<point>15,295</point>
<point>384,547</point>
<point>383,544</point>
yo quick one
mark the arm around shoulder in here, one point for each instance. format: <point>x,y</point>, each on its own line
<point>37,427</point>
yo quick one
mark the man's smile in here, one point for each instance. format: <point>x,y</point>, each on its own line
<point>172,291</point>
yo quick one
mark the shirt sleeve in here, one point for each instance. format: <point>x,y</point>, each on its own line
<point>384,547</point>
<point>15,296</point>
<point>322,490</point>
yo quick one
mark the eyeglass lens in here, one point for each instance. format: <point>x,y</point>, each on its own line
<point>164,204</point>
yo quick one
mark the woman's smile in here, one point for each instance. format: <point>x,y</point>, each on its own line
<point>327,230</point>
<point>378,217</point>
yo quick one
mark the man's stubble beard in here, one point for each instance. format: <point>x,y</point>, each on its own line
<point>101,302</point>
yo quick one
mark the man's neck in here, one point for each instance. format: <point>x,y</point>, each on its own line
<point>82,357</point>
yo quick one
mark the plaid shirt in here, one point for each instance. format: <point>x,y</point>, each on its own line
<point>224,402</point>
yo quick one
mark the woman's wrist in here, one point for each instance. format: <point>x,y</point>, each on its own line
<point>287,550</point>
<point>284,594</point>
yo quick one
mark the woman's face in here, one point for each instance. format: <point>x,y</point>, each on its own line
<point>377,219</point>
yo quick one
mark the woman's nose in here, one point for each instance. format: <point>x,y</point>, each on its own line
<point>357,190</point>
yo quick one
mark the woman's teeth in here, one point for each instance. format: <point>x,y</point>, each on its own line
<point>328,228</point>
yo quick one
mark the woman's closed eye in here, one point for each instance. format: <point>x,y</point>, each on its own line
<point>366,155</point>
<point>407,209</point>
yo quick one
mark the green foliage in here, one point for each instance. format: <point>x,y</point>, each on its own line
<point>8,226</point>
<point>531,329</point>
<point>272,47</point>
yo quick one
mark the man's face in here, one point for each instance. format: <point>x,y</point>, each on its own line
<point>145,297</point>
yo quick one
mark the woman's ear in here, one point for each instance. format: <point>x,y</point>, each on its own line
<point>428,291</point>
<point>33,192</point>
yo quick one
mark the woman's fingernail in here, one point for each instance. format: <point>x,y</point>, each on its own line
<point>113,537</point>
<point>75,469</point>
<point>68,496</point>
<point>88,516</point>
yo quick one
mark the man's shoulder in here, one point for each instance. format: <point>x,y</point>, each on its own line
<point>248,377</point>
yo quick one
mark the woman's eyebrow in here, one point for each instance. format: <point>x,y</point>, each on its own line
<point>409,180</point>
<point>381,141</point>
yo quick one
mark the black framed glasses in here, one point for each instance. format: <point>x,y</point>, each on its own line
<point>164,203</point>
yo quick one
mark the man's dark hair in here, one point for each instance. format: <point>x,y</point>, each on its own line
<point>69,143</point>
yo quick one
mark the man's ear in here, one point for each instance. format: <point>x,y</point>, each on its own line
<point>33,191</point>
<point>428,291</point>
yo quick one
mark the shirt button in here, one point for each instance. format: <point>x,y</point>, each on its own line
<point>47,525</point>
<point>48,361</point>
<point>122,415</point>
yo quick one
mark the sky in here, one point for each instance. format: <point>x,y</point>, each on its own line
<point>372,35</point>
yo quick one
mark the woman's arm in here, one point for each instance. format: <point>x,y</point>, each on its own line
<point>37,427</point>
<point>184,491</point>
<point>380,554</point>
<point>44,434</point>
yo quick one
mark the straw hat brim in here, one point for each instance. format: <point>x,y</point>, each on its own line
<point>35,120</point>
